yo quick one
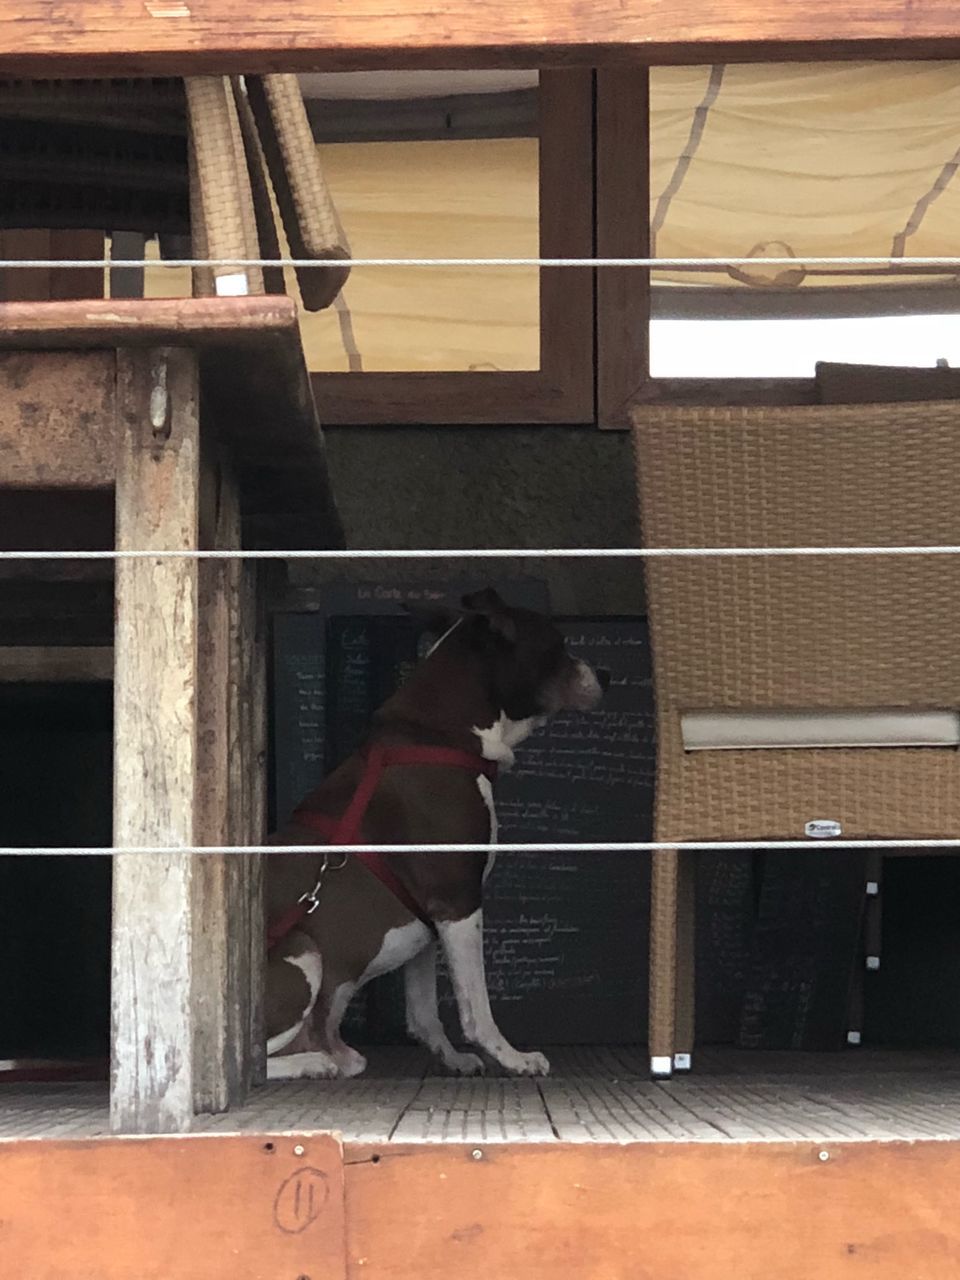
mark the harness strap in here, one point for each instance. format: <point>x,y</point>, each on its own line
<point>346,829</point>
<point>286,923</point>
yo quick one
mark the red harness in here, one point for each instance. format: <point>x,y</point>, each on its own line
<point>346,828</point>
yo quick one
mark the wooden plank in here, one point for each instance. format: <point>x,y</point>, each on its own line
<point>27,284</point>
<point>155,711</point>
<point>57,664</point>
<point>623,231</point>
<point>566,230</point>
<point>76,282</point>
<point>145,322</point>
<point>220,1208</point>
<point>728,391</point>
<point>40,283</point>
<point>124,37</point>
<point>220,918</point>
<point>57,424</point>
<point>250,787</point>
<point>703,1210</point>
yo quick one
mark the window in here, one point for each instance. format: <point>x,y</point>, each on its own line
<point>795,161</point>
<point>456,164</point>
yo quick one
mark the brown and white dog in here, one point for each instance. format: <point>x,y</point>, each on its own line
<point>493,677</point>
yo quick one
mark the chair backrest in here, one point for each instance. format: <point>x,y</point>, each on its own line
<point>819,645</point>
<point>116,154</point>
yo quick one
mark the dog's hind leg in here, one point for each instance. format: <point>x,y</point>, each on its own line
<point>294,975</point>
<point>423,1015</point>
<point>329,1015</point>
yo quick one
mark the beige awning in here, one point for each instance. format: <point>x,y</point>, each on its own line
<point>800,160</point>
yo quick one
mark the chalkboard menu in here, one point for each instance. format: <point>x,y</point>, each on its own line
<point>299,724</point>
<point>568,933</point>
<point>566,936</point>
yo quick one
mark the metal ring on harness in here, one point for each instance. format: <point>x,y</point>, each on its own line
<point>312,897</point>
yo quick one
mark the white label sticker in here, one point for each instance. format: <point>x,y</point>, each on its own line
<point>823,829</point>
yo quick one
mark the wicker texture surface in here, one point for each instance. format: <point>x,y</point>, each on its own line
<point>306,209</point>
<point>803,633</point>
<point>116,155</point>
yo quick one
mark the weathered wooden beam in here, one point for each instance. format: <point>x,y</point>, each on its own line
<point>182,923</point>
<point>709,1210</point>
<point>55,664</point>
<point>251,786</point>
<point>155,736</point>
<point>127,37</point>
<point>221,915</point>
<point>219,1207</point>
<point>147,322</point>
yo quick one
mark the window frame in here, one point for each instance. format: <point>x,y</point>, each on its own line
<point>624,381</point>
<point>561,391</point>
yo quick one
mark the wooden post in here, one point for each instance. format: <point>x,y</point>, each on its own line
<point>248,784</point>
<point>155,712</point>
<point>182,985</point>
<point>219,976</point>
<point>623,231</point>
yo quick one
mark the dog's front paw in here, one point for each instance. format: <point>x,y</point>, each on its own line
<point>528,1064</point>
<point>463,1064</point>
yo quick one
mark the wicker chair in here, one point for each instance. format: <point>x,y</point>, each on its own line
<point>794,639</point>
<point>117,154</point>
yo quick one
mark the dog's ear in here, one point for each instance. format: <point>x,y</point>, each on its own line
<point>488,605</point>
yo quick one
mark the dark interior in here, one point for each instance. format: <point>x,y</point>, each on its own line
<point>55,789</point>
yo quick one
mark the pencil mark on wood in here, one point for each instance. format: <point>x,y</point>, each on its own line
<point>300,1200</point>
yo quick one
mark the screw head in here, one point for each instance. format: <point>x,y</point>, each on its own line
<point>298,1150</point>
<point>477,1153</point>
<point>824,1156</point>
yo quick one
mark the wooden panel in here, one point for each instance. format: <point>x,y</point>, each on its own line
<point>561,391</point>
<point>221,916</point>
<point>39,283</point>
<point>623,231</point>
<point>76,282</point>
<point>873,384</point>
<point>686,1211</point>
<point>174,1208</point>
<point>728,391</point>
<point>122,37</point>
<point>263,405</point>
<point>155,709</point>
<point>55,663</point>
<point>249,784</point>
<point>57,419</point>
<point>150,322</point>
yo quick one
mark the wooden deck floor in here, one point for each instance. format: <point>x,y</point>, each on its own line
<point>593,1095</point>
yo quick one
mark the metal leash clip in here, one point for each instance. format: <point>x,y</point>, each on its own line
<point>313,895</point>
